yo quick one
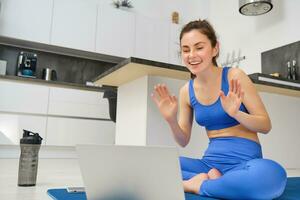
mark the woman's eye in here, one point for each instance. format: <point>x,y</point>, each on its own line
<point>199,48</point>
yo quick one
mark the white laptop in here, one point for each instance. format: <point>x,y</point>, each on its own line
<point>112,172</point>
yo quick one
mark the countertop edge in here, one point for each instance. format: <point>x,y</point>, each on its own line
<point>57,83</point>
<point>254,78</point>
<point>141,61</point>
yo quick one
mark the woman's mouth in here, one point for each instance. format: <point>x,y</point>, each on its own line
<point>193,63</point>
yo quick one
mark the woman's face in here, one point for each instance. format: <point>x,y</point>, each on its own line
<point>197,52</point>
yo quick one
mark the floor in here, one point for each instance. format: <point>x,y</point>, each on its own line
<point>52,173</point>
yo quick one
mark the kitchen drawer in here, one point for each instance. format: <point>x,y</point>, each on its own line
<point>77,103</point>
<point>23,97</point>
<point>12,125</point>
<point>69,132</point>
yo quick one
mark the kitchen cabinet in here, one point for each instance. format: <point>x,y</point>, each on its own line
<point>69,132</point>
<point>77,103</point>
<point>12,125</point>
<point>23,97</point>
<point>174,44</point>
<point>26,20</point>
<point>74,24</point>
<point>115,32</point>
<point>62,116</point>
<point>151,39</point>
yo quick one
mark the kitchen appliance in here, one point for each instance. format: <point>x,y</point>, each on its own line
<point>255,7</point>
<point>27,64</point>
<point>49,74</point>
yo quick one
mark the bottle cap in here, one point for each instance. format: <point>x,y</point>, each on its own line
<point>30,138</point>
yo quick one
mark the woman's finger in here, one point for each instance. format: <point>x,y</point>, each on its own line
<point>155,99</point>
<point>165,89</point>
<point>231,86</point>
<point>242,95</point>
<point>173,99</point>
<point>238,88</point>
<point>235,86</point>
<point>222,95</point>
<point>158,90</point>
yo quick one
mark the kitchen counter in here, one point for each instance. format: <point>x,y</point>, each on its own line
<point>277,85</point>
<point>57,83</point>
<point>134,68</point>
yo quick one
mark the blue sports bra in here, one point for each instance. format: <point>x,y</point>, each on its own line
<point>213,116</point>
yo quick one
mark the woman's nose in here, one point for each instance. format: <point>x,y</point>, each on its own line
<point>192,53</point>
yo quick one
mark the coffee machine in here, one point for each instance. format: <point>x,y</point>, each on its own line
<point>27,64</point>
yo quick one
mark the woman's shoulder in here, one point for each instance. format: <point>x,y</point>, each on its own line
<point>184,91</point>
<point>185,88</point>
<point>236,73</point>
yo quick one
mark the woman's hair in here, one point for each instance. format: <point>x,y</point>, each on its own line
<point>205,28</point>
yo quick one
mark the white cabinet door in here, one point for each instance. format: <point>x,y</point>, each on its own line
<point>23,97</point>
<point>69,132</point>
<point>152,39</point>
<point>115,32</point>
<point>11,127</point>
<point>77,103</point>
<point>26,19</point>
<point>74,24</point>
<point>174,45</point>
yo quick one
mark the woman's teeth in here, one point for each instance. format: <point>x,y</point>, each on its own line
<point>194,63</point>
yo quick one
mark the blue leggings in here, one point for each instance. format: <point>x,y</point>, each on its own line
<point>245,174</point>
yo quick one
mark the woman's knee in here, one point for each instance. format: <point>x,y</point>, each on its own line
<point>272,176</point>
<point>267,166</point>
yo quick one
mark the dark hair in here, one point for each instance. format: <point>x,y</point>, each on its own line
<point>205,28</point>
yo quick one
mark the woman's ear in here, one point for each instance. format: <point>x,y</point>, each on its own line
<point>216,49</point>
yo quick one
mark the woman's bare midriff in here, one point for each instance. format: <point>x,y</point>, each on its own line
<point>234,131</point>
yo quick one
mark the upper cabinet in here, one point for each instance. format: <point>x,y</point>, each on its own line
<point>27,20</point>
<point>90,25</point>
<point>74,24</point>
<point>151,39</point>
<point>115,32</point>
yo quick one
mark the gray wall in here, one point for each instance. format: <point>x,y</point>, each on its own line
<point>275,60</point>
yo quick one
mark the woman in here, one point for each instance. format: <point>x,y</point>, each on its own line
<point>225,101</point>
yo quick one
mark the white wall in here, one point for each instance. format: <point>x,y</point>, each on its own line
<point>253,35</point>
<point>162,9</point>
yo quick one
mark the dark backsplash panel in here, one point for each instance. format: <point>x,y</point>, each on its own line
<point>275,60</point>
<point>69,69</point>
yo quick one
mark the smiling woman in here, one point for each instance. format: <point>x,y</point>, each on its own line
<point>226,103</point>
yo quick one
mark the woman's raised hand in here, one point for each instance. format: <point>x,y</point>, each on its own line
<point>232,102</point>
<point>166,103</point>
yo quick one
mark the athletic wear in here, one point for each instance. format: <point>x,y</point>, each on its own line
<point>245,174</point>
<point>213,116</point>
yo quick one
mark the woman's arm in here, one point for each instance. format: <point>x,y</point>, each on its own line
<point>258,119</point>
<point>168,107</point>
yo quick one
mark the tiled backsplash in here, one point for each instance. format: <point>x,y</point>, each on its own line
<point>275,60</point>
<point>68,68</point>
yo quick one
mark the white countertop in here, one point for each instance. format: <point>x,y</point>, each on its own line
<point>52,173</point>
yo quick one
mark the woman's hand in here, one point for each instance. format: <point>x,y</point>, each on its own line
<point>166,103</point>
<point>232,102</point>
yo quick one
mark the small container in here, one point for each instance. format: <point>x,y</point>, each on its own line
<point>49,74</point>
<point>28,163</point>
